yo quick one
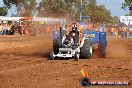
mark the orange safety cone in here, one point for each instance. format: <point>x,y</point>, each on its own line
<point>84,74</point>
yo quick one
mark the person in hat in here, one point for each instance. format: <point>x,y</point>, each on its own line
<point>0,28</point>
<point>13,27</point>
<point>9,29</point>
<point>4,27</point>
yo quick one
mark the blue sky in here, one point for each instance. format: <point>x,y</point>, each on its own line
<point>113,5</point>
<point>10,11</point>
<point>1,3</point>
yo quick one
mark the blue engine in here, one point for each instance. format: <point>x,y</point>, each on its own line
<point>92,35</point>
<point>103,39</point>
<point>96,37</point>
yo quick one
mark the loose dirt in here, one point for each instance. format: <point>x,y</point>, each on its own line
<point>24,64</point>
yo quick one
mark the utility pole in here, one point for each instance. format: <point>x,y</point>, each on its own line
<point>86,3</point>
<point>81,11</point>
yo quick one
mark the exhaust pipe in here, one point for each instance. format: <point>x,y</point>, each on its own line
<point>61,36</point>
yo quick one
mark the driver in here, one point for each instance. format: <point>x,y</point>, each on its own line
<point>73,32</point>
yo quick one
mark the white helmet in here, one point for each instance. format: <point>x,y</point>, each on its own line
<point>74,26</point>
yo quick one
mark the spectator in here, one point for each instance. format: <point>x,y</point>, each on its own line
<point>4,28</point>
<point>9,29</point>
<point>0,28</point>
<point>13,27</point>
<point>19,27</point>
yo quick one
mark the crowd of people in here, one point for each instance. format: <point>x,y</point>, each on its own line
<point>10,28</point>
<point>114,31</point>
<point>22,28</point>
<point>6,28</point>
<point>123,32</point>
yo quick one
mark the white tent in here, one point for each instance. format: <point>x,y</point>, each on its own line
<point>126,19</point>
<point>41,19</point>
<point>34,18</point>
<point>10,18</point>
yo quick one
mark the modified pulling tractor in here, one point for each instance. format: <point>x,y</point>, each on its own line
<point>75,41</point>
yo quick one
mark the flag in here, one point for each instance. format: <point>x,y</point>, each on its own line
<point>102,27</point>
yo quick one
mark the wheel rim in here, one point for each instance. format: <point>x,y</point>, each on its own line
<point>51,55</point>
<point>78,55</point>
<point>91,51</point>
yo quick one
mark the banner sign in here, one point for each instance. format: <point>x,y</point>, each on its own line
<point>126,19</point>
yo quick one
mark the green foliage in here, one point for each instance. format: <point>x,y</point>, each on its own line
<point>71,8</point>
<point>24,7</point>
<point>115,20</point>
<point>98,13</point>
<point>127,5</point>
<point>3,11</point>
<point>8,3</point>
<point>103,14</point>
<point>54,7</point>
<point>62,8</point>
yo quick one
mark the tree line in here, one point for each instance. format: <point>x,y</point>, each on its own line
<point>63,8</point>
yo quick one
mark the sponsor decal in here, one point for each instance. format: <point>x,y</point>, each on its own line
<point>89,35</point>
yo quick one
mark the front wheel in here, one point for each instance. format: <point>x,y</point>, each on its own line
<point>77,55</point>
<point>86,49</point>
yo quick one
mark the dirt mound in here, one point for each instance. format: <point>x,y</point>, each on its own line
<point>26,45</point>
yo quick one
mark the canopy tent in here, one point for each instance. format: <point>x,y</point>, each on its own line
<point>126,19</point>
<point>10,18</point>
<point>42,19</point>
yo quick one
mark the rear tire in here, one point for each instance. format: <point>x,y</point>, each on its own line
<point>86,50</point>
<point>56,46</point>
<point>51,56</point>
<point>101,51</point>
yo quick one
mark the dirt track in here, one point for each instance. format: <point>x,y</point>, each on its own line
<point>24,64</point>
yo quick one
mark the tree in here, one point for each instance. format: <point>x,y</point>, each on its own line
<point>54,7</point>
<point>62,8</point>
<point>24,7</point>
<point>115,20</point>
<point>91,8</point>
<point>71,8</point>
<point>127,5</point>
<point>3,11</point>
<point>98,13</point>
<point>102,14</point>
